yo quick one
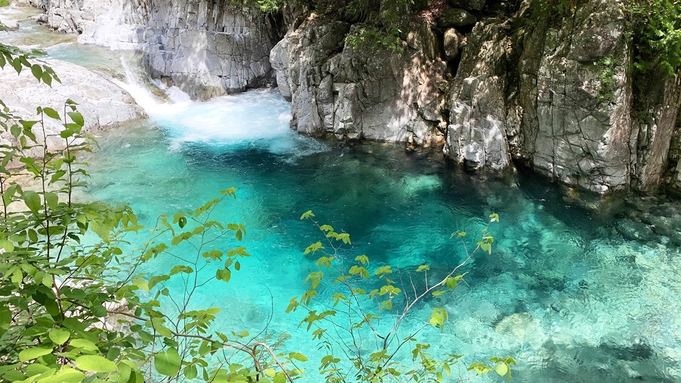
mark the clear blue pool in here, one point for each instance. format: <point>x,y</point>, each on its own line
<point>563,292</point>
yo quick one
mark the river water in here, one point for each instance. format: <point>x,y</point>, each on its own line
<point>563,291</point>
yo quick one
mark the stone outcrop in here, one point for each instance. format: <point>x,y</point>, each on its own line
<point>361,91</point>
<point>476,134</point>
<point>656,110</point>
<point>553,92</point>
<point>574,113</point>
<point>496,82</point>
<point>102,103</point>
<point>204,47</point>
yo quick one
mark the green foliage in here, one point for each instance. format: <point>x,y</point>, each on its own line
<point>362,321</point>
<point>375,36</point>
<point>606,78</point>
<point>4,3</point>
<point>75,308</point>
<point>656,28</point>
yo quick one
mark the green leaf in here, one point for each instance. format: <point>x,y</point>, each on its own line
<point>501,369</point>
<point>95,363</point>
<point>223,275</point>
<point>182,222</point>
<point>59,336</point>
<point>168,362</point>
<point>306,215</point>
<point>181,269</point>
<point>8,246</point>
<point>32,201</point>
<point>65,375</point>
<point>51,113</point>
<point>191,372</point>
<point>47,79</point>
<point>37,71</point>
<point>77,118</point>
<point>313,247</point>
<point>363,259</point>
<point>32,353</point>
<point>297,356</point>
<point>83,344</point>
<point>52,200</point>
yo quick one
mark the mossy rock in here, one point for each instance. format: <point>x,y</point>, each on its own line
<point>455,18</point>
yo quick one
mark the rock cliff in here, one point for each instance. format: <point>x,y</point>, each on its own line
<point>496,83</point>
<point>503,83</point>
<point>359,91</point>
<point>204,47</point>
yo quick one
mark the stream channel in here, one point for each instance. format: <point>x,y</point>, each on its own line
<point>573,294</point>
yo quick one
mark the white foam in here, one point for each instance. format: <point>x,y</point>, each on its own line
<point>259,117</point>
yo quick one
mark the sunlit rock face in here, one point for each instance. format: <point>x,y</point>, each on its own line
<point>579,128</point>
<point>362,91</point>
<point>557,95</point>
<point>102,103</point>
<point>205,48</point>
<point>476,134</point>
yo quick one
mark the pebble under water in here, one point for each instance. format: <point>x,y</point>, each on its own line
<point>564,292</point>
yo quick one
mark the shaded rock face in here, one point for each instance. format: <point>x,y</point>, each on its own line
<point>362,92</point>
<point>205,48</point>
<point>656,109</point>
<point>102,103</point>
<point>210,50</point>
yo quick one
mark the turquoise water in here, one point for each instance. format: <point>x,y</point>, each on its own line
<point>563,292</point>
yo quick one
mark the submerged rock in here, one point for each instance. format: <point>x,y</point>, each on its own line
<point>634,230</point>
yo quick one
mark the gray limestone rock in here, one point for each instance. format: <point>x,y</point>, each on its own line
<point>8,24</point>
<point>102,103</point>
<point>205,48</point>
<point>361,92</point>
<point>571,109</point>
<point>476,134</point>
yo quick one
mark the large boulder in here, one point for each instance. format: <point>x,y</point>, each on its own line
<point>362,91</point>
<point>456,17</point>
<point>205,48</point>
<point>102,103</point>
